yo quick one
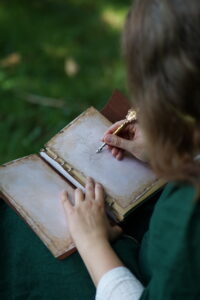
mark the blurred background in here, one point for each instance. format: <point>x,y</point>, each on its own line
<point>57,57</point>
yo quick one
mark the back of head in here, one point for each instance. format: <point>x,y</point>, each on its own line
<point>161,44</point>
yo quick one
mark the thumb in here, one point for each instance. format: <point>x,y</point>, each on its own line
<point>116,141</point>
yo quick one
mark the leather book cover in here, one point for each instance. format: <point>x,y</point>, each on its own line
<point>16,177</point>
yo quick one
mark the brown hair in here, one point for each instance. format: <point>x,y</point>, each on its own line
<point>161,45</point>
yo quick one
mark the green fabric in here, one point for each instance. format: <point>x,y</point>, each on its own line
<point>170,250</point>
<point>167,261</point>
<point>28,271</point>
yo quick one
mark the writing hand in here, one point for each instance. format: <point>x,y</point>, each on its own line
<point>131,139</point>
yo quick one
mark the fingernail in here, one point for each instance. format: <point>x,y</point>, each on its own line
<point>119,157</point>
<point>63,198</point>
<point>98,184</point>
<point>63,193</point>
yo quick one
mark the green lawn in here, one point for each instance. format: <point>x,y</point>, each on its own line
<point>57,57</point>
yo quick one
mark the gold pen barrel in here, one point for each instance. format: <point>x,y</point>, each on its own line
<point>131,116</point>
<point>120,127</point>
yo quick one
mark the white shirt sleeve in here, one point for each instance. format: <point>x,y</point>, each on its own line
<point>119,284</point>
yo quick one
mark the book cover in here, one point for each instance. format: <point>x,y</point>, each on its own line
<point>32,185</point>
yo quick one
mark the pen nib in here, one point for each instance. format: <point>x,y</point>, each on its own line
<point>100,148</point>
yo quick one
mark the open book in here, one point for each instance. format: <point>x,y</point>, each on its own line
<point>32,185</point>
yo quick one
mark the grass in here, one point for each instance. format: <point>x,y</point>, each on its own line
<point>57,57</point>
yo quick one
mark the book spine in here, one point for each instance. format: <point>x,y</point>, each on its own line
<point>74,175</point>
<point>79,177</point>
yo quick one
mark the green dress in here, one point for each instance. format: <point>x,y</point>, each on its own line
<point>169,254</point>
<point>167,261</point>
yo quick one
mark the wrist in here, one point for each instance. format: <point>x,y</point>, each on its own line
<point>92,242</point>
<point>99,258</point>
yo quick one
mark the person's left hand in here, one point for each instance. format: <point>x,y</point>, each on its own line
<point>87,220</point>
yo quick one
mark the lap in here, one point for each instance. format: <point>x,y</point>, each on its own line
<point>29,271</point>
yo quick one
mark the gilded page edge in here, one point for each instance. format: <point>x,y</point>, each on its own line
<point>121,212</point>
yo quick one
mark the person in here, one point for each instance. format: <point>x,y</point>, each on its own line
<point>161,45</point>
